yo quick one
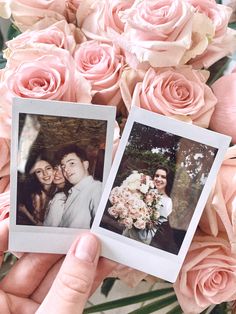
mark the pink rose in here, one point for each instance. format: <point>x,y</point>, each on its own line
<point>71,9</point>
<point>180,93</point>
<point>223,118</point>
<point>220,211</point>
<point>60,34</point>
<point>5,158</point>
<point>156,32</point>
<point>100,20</point>
<point>4,205</point>
<point>101,64</point>
<point>218,13</point>
<point>208,275</point>
<point>27,12</point>
<point>4,153</point>
<point>223,42</point>
<point>130,276</point>
<point>47,73</point>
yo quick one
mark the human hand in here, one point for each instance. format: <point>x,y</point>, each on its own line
<point>30,286</point>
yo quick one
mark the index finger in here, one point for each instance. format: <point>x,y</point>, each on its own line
<point>27,274</point>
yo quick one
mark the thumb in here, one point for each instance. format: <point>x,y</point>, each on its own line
<point>71,288</point>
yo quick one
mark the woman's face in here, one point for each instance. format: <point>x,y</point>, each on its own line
<point>59,178</point>
<point>44,172</point>
<point>160,180</point>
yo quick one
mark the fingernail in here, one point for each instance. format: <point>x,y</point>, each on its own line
<point>86,248</point>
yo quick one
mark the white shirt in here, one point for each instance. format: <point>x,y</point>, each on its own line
<point>81,204</point>
<point>56,208</point>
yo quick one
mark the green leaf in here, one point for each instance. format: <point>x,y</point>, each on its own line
<point>107,285</point>
<point>128,301</point>
<point>176,310</point>
<point>2,61</point>
<point>13,31</point>
<point>232,25</point>
<point>1,41</point>
<point>220,309</point>
<point>217,70</point>
<point>8,262</point>
<point>156,305</point>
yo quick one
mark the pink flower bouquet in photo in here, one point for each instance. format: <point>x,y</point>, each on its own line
<point>135,203</point>
<point>172,57</point>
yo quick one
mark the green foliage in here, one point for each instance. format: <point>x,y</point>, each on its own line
<point>8,262</point>
<point>13,32</point>
<point>1,41</point>
<point>134,300</point>
<point>107,285</point>
<point>2,61</point>
<point>232,25</point>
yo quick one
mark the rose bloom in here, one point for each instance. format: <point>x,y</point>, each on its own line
<point>208,275</point>
<point>60,34</point>
<point>101,64</point>
<point>180,93</point>
<point>220,211</point>
<point>4,205</point>
<point>225,91</point>
<point>157,32</point>
<point>100,20</point>
<point>223,42</point>
<point>26,12</point>
<point>47,73</point>
<point>219,14</point>
<point>140,224</point>
<point>72,7</point>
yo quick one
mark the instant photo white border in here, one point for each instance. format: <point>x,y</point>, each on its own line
<point>135,254</point>
<point>24,238</point>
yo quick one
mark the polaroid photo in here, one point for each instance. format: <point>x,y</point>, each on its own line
<point>61,156</point>
<point>156,191</point>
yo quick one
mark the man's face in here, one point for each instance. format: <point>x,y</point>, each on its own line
<point>73,168</point>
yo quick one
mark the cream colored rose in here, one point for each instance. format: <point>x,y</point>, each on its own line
<point>5,10</point>
<point>156,32</point>
<point>27,13</point>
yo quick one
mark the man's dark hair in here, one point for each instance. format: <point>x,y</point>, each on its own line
<point>69,149</point>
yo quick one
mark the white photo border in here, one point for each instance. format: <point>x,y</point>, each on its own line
<point>44,239</point>
<point>135,254</point>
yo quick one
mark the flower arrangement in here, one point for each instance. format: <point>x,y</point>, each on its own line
<point>135,203</point>
<point>158,55</point>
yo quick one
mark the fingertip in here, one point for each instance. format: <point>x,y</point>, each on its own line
<point>86,247</point>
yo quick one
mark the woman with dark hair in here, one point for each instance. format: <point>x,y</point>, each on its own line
<point>38,189</point>
<point>56,205</point>
<point>160,179</point>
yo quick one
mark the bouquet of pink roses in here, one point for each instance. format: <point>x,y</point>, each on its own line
<point>136,203</point>
<point>154,54</point>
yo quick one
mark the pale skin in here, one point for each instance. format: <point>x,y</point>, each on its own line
<point>58,285</point>
<point>160,180</point>
<point>74,169</point>
<point>45,174</point>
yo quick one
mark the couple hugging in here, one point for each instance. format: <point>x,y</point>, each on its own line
<point>67,195</point>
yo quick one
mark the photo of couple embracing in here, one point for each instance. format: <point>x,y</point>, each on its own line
<point>55,189</point>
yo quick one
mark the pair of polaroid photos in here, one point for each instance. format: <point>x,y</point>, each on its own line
<point>51,202</point>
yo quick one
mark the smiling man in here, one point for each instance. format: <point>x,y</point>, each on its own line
<point>84,196</point>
